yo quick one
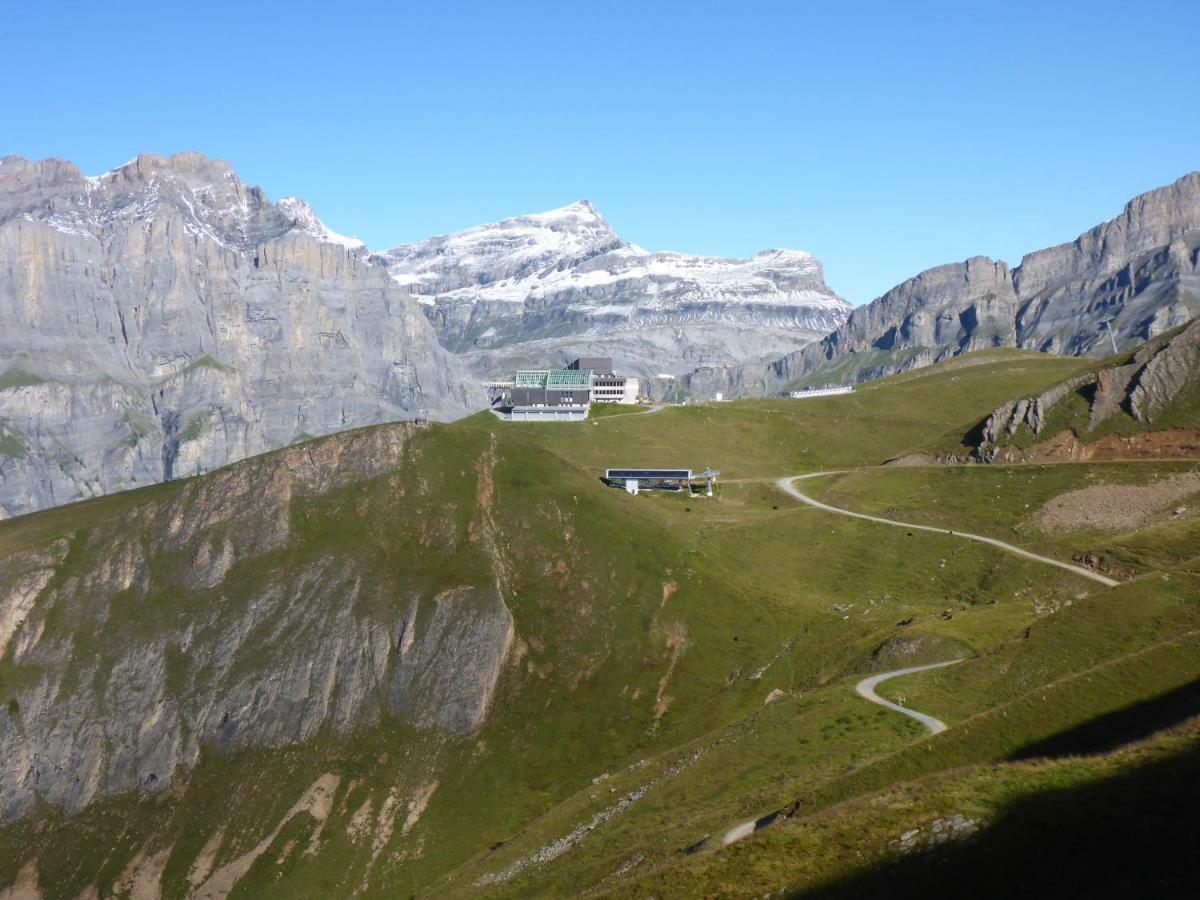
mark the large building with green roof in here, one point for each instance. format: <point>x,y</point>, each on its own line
<point>549,395</point>
<point>537,395</point>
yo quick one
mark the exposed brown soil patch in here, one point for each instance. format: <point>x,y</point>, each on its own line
<point>203,865</point>
<point>669,588</point>
<point>317,801</point>
<point>1171,443</point>
<point>677,641</point>
<point>26,885</point>
<point>417,805</point>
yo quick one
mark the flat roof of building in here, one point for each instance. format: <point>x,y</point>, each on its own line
<point>680,474</point>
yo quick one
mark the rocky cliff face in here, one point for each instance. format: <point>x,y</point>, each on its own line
<point>1140,270</point>
<point>1159,373</point>
<point>223,614</point>
<point>165,319</point>
<point>547,287</point>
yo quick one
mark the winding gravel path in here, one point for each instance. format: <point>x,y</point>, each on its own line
<point>866,690</point>
<point>866,687</point>
<point>786,485</point>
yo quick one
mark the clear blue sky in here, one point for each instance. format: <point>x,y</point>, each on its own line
<point>882,138</point>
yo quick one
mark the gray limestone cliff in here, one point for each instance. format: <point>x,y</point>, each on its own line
<point>165,319</point>
<point>222,614</point>
<point>1140,271</point>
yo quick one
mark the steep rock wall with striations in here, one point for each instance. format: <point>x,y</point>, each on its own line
<point>219,615</point>
<point>165,319</point>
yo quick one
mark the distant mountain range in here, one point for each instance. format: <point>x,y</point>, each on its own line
<point>1138,274</point>
<point>164,318</point>
<point>540,289</point>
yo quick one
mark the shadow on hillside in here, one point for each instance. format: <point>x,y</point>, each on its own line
<point>974,437</point>
<point>1107,732</point>
<point>1133,835</point>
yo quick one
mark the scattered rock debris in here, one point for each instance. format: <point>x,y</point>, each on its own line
<point>940,831</point>
<point>557,848</point>
<point>1117,507</point>
<point>785,649</point>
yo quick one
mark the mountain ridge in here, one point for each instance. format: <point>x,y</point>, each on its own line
<point>1140,270</point>
<point>516,288</point>
<point>165,318</point>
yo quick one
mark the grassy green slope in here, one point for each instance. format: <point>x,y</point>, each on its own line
<point>1004,502</point>
<point>1107,825</point>
<point>755,438</point>
<point>822,746</point>
<point>651,632</point>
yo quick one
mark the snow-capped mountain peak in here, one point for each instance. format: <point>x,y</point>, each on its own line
<point>503,254</point>
<point>566,271</point>
<point>579,212</point>
<point>206,195</point>
<point>308,222</point>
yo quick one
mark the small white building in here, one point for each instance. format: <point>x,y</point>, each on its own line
<point>827,391</point>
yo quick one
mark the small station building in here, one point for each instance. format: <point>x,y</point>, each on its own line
<point>636,480</point>
<point>828,390</point>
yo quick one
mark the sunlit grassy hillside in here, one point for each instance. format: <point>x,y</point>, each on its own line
<point>678,664</point>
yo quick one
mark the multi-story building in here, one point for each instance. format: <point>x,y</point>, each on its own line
<point>561,395</point>
<point>607,385</point>
<point>548,395</point>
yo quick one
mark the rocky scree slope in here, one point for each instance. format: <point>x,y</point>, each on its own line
<point>164,319</point>
<point>1141,270</point>
<point>545,287</point>
<point>220,615</point>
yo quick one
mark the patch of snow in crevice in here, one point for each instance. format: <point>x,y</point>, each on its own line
<point>95,179</point>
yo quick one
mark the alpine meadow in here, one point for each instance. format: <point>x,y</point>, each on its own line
<point>498,552</point>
